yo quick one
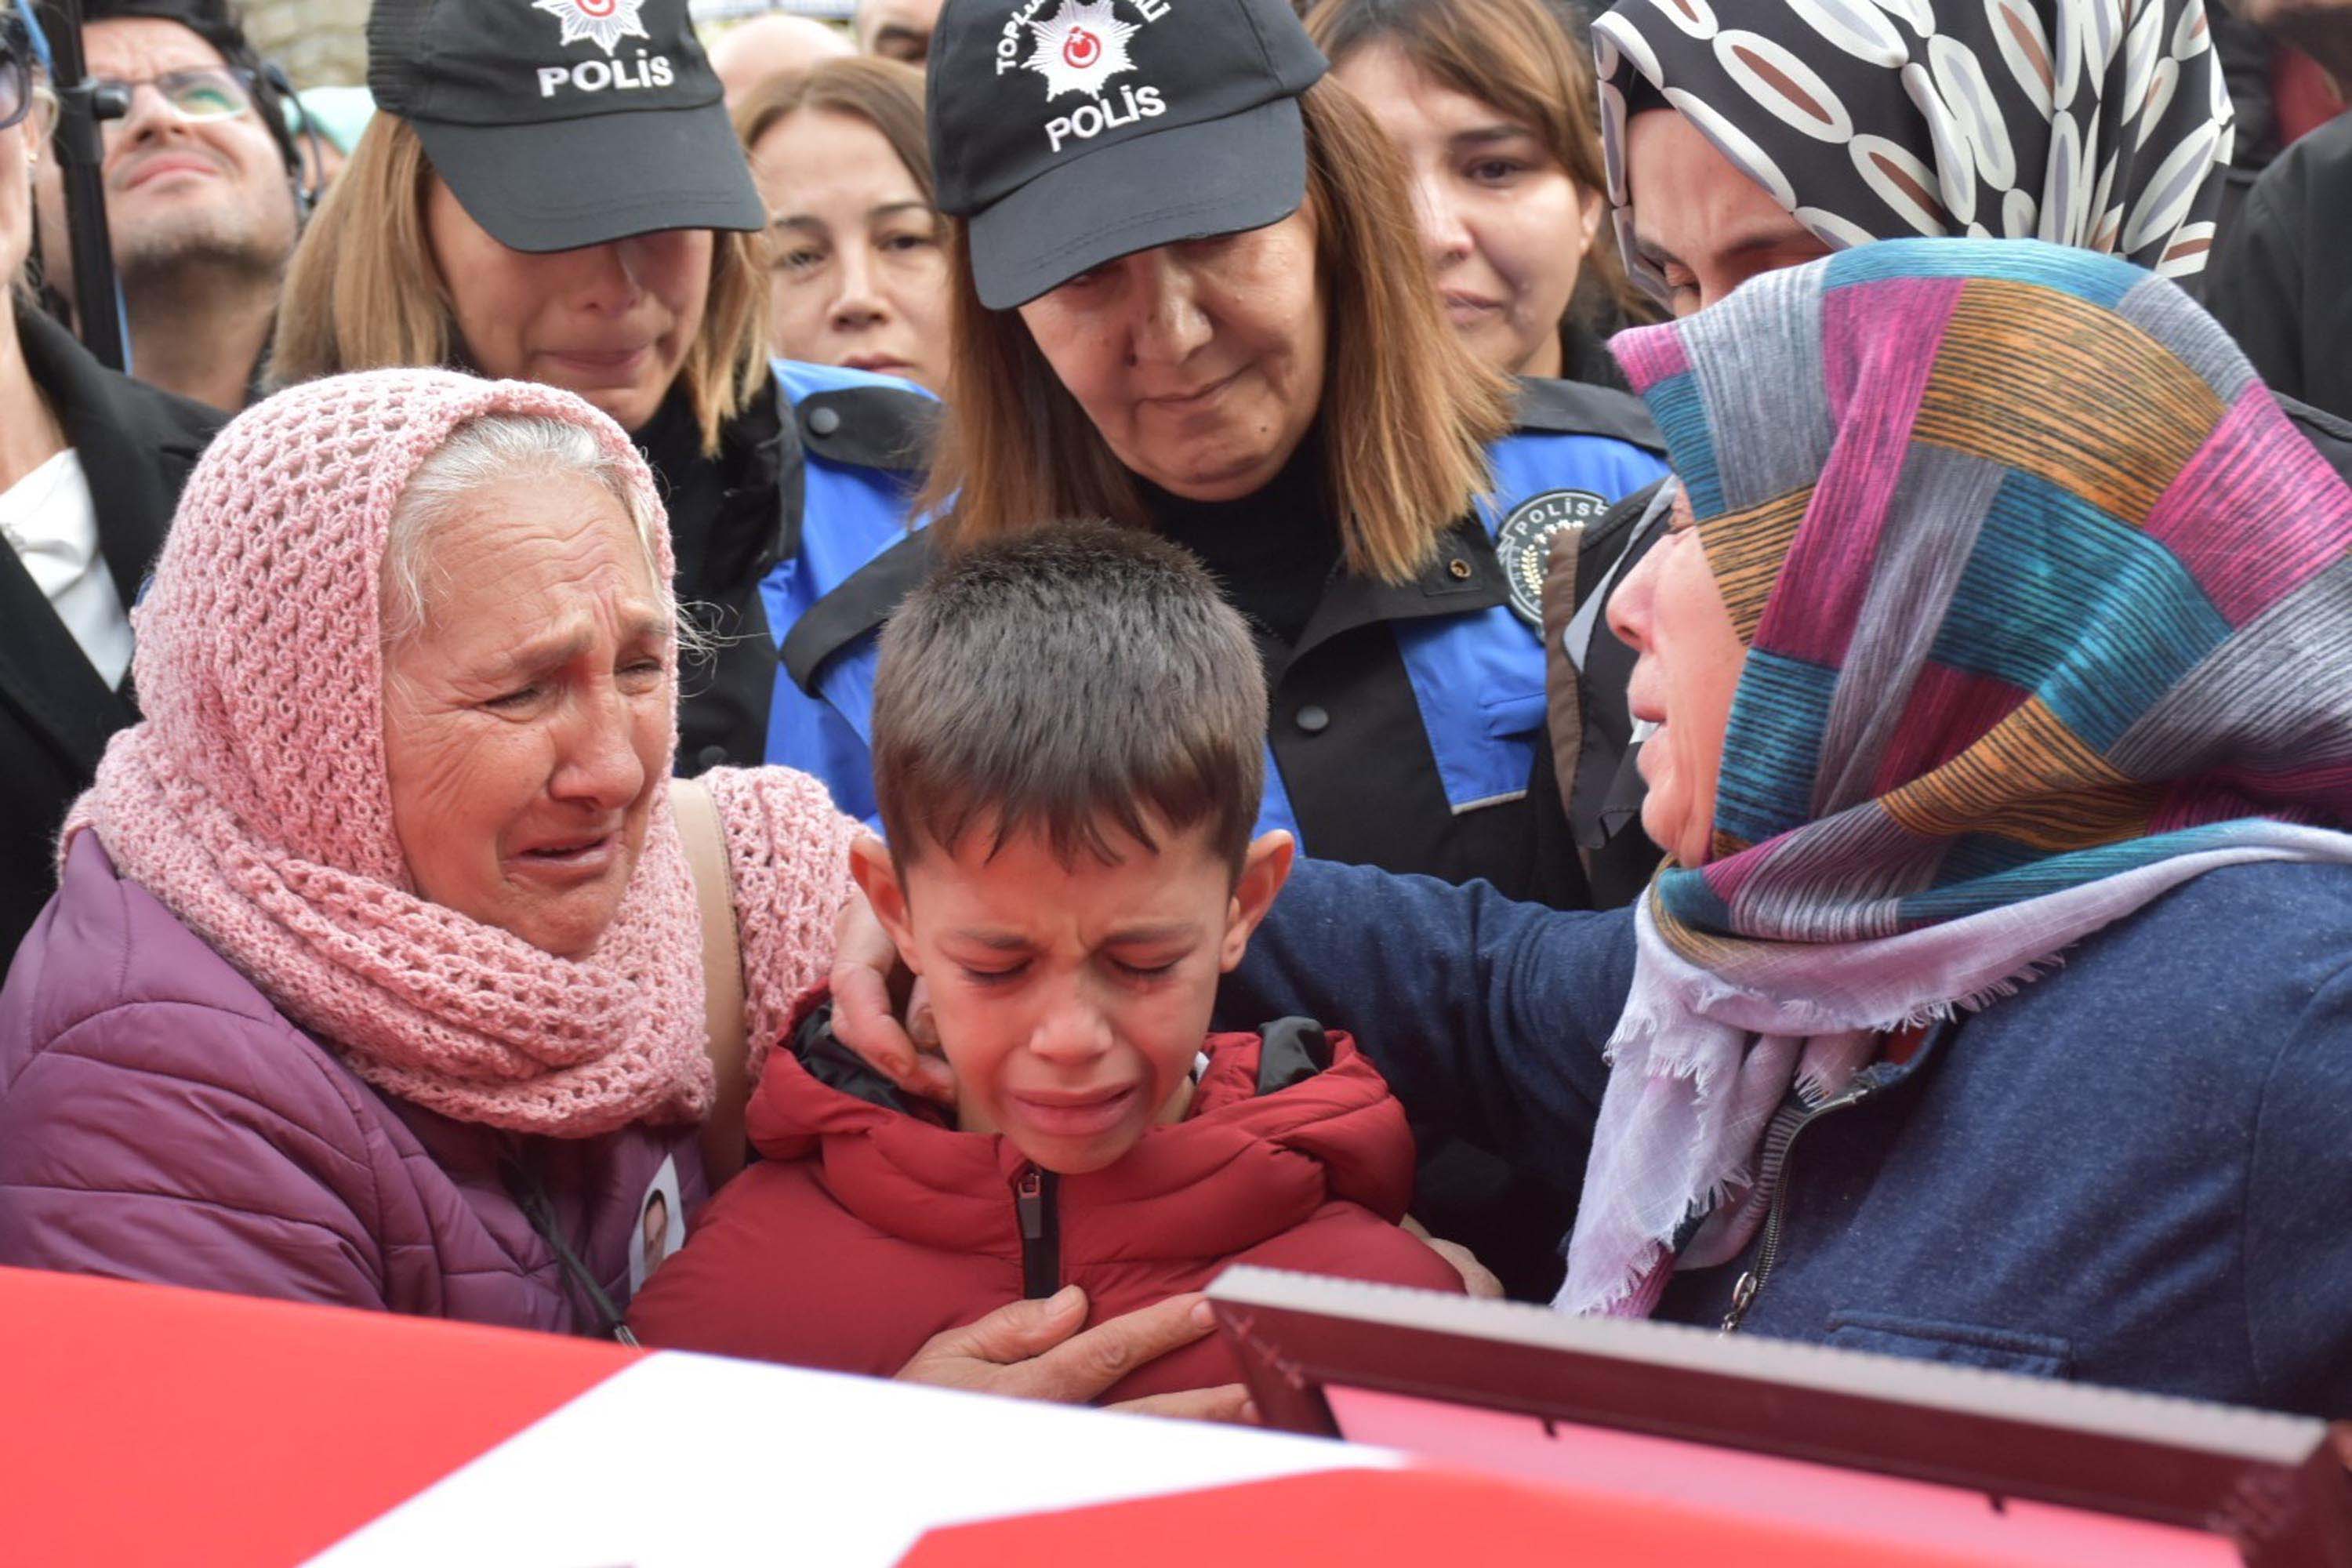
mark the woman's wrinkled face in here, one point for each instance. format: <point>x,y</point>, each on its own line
<point>859,278</point>
<point>1505,226</point>
<point>612,322</point>
<point>1670,612</point>
<point>527,723</point>
<point>1200,362</point>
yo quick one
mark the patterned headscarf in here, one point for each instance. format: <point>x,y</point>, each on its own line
<point>2047,609</point>
<point>2093,123</point>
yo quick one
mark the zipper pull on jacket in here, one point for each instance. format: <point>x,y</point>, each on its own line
<point>1041,1232</point>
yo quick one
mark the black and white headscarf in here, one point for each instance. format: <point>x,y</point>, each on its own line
<point>2098,123</point>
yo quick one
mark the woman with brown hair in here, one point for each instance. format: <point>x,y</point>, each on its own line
<point>1492,104</point>
<point>1186,300</point>
<point>859,277</point>
<point>600,233</point>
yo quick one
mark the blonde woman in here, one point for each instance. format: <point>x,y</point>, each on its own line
<point>602,235</point>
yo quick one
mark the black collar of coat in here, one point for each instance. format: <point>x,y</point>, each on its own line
<point>1463,575</point>
<point>1553,407</point>
<point>135,445</point>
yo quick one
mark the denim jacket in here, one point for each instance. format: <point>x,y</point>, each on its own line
<point>2137,1171</point>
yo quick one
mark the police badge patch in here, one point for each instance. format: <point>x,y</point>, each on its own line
<point>1523,545</point>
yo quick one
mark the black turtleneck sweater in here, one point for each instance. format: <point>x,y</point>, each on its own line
<point>725,517</point>
<point>1272,551</point>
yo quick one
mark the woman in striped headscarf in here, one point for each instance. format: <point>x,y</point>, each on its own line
<point>1997,1006</point>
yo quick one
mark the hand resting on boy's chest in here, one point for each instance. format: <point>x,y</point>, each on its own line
<point>869,1227</point>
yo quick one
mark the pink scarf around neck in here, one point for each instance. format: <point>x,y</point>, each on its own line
<point>253,801</point>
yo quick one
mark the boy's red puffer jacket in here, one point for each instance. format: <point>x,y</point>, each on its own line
<point>869,1227</point>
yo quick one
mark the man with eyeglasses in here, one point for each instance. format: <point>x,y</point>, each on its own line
<point>202,203</point>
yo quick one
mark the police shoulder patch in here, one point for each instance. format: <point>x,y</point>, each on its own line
<point>1524,542</point>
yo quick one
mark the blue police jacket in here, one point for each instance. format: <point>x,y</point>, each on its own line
<point>858,476</point>
<point>1463,657</point>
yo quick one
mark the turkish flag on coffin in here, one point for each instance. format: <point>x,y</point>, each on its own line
<point>1395,1516</point>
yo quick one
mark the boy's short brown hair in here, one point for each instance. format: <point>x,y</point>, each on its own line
<point>1081,680</point>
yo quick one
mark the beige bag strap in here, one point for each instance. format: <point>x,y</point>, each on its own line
<point>722,974</point>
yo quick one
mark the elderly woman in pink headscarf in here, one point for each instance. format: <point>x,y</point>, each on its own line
<point>375,972</point>
<point>388,966</point>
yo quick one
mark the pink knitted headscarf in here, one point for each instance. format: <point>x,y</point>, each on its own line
<point>254,800</point>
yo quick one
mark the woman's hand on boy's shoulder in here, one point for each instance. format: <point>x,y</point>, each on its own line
<point>866,968</point>
<point>1032,1350</point>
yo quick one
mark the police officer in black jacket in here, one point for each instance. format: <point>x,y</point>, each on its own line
<point>1198,302</point>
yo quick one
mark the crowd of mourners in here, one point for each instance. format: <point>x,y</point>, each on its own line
<point>872,697</point>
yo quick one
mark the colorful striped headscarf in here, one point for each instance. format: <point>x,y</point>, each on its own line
<point>2048,609</point>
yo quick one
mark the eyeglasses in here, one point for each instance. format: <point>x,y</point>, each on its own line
<point>197,94</point>
<point>15,85</point>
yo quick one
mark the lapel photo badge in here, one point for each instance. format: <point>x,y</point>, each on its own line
<point>660,1228</point>
<point>1524,542</point>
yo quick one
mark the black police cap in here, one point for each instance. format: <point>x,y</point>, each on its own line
<point>560,123</point>
<point>1070,132</point>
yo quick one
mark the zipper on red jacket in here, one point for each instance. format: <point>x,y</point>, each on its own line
<point>1041,1232</point>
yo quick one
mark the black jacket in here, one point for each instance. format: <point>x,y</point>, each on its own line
<point>2282,281</point>
<point>136,444</point>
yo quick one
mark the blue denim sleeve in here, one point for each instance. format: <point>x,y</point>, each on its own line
<point>2298,1247</point>
<point>1488,1016</point>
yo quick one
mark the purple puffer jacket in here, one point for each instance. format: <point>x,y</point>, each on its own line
<point>160,1120</point>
